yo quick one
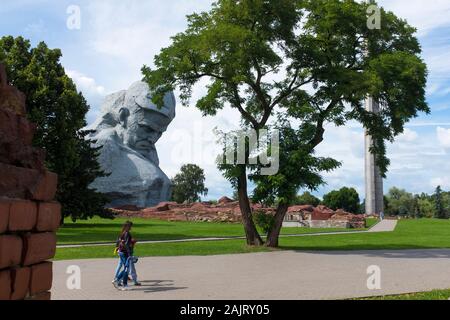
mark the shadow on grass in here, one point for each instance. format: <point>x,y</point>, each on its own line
<point>382,251</point>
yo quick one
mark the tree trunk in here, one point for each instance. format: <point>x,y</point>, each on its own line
<point>252,235</point>
<point>274,234</point>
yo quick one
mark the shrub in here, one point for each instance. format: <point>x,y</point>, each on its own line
<point>264,221</point>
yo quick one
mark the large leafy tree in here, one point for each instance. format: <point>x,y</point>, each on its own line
<point>344,198</point>
<point>439,204</point>
<point>426,206</point>
<point>189,184</point>
<point>400,202</point>
<point>58,110</point>
<point>306,198</point>
<point>298,168</point>
<point>314,61</point>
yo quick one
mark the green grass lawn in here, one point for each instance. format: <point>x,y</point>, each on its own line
<point>197,248</point>
<point>431,295</point>
<point>409,234</point>
<point>99,230</point>
<point>103,230</point>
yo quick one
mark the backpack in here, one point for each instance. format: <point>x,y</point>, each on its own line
<point>118,245</point>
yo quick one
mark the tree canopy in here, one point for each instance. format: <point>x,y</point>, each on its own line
<point>440,205</point>
<point>399,202</point>
<point>312,61</point>
<point>189,184</point>
<point>58,110</point>
<point>306,198</point>
<point>345,198</point>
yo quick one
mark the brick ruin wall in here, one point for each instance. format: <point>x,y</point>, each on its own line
<point>29,217</point>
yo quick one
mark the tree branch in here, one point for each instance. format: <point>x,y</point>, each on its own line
<point>247,116</point>
<point>258,90</point>
<point>318,136</point>
<point>198,74</point>
<point>290,89</point>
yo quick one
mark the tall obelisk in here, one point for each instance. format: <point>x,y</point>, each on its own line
<point>374,180</point>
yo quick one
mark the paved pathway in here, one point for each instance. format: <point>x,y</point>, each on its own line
<point>383,226</point>
<point>273,275</point>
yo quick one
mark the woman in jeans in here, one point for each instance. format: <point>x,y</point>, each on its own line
<point>124,248</point>
<point>132,260</point>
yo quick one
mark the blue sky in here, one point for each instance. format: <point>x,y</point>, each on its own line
<point>117,37</point>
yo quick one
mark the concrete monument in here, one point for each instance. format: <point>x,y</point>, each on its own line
<point>374,179</point>
<point>127,130</point>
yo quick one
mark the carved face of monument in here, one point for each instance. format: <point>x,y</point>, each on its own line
<point>126,131</point>
<point>142,122</point>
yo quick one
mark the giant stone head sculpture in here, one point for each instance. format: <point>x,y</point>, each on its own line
<point>127,131</point>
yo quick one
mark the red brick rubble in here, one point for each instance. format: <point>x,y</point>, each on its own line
<point>227,210</point>
<point>29,217</point>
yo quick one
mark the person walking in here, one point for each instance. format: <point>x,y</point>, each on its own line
<point>124,250</point>
<point>132,264</point>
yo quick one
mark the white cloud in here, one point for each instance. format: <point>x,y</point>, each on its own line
<point>437,59</point>
<point>443,182</point>
<point>93,92</point>
<point>86,84</point>
<point>408,136</point>
<point>432,23</point>
<point>443,137</point>
<point>191,139</point>
<point>427,124</point>
<point>415,157</point>
<point>422,15</point>
<point>432,88</point>
<point>132,32</point>
<point>345,144</point>
<point>36,28</point>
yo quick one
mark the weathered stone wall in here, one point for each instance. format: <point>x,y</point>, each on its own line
<point>329,224</point>
<point>29,217</point>
<point>323,217</point>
